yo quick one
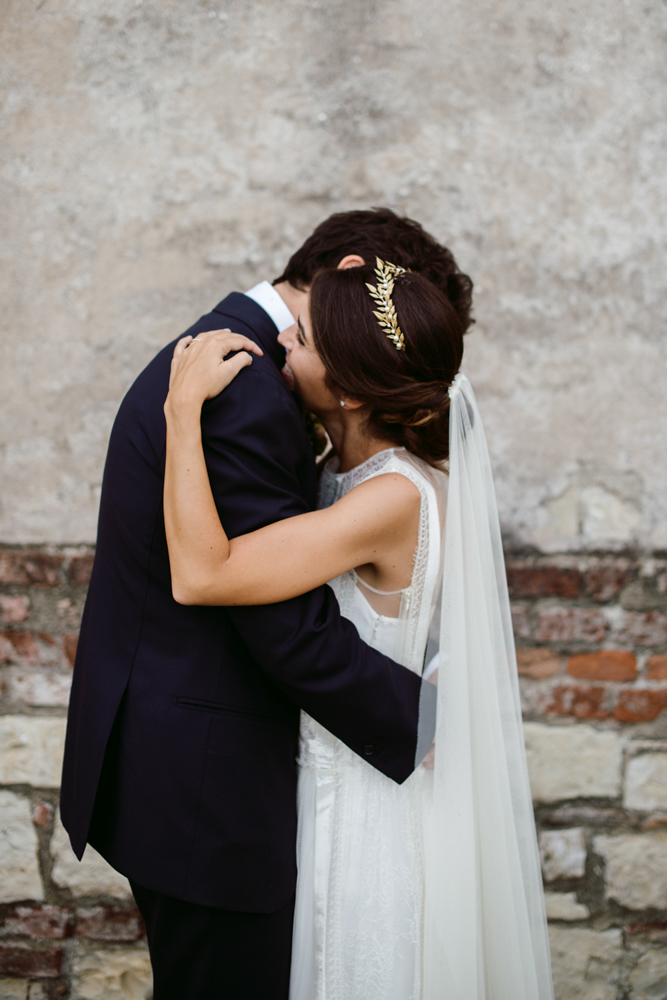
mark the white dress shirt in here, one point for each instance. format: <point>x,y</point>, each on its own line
<point>268,298</point>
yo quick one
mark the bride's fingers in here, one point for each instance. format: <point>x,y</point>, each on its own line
<point>180,347</point>
<point>236,342</point>
<point>229,341</point>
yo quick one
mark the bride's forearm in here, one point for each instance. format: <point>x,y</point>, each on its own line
<point>198,545</point>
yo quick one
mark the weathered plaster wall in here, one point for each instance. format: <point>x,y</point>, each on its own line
<point>156,155</point>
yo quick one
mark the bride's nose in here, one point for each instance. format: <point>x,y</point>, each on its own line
<point>287,337</point>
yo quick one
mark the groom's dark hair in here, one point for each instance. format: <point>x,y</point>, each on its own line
<point>379,232</point>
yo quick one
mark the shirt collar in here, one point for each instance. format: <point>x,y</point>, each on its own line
<point>271,302</point>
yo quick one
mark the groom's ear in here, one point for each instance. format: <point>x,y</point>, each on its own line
<point>351,260</point>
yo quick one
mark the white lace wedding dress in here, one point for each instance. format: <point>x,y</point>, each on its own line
<point>358,928</point>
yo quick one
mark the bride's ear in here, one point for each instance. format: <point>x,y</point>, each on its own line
<point>351,260</point>
<point>348,403</point>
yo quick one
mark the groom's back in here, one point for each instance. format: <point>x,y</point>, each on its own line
<point>198,779</point>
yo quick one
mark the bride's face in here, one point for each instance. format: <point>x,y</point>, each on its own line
<point>304,372</point>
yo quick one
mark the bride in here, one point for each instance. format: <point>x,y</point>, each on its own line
<point>430,889</point>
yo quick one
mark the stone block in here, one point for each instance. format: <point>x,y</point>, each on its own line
<point>31,567</point>
<point>581,702</point>
<point>102,923</point>
<point>569,762</point>
<point>19,960</point>
<point>33,686</point>
<point>640,705</point>
<point>570,625</point>
<point>646,782</point>
<point>21,989</point>
<point>19,865</point>
<point>525,580</point>
<point>92,876</point>
<point>537,662</point>
<point>31,750</point>
<point>585,963</point>
<point>37,922</point>
<point>564,906</point>
<point>13,609</point>
<point>608,665</point>
<point>648,979</point>
<point>636,869</point>
<point>656,668</point>
<point>112,975</point>
<point>563,853</point>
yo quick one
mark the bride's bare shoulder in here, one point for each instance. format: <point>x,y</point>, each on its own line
<point>388,492</point>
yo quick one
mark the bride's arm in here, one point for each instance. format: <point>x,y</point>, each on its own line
<point>281,560</point>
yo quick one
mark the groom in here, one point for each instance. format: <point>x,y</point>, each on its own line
<point>183,722</point>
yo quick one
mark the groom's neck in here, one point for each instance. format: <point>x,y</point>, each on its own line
<point>293,298</point>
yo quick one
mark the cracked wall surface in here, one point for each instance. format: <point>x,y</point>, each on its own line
<point>155,156</point>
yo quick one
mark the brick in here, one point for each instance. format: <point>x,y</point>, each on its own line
<point>563,853</point>
<point>37,921</point>
<point>70,643</point>
<point>570,625</point>
<point>608,665</point>
<point>18,960</point>
<point>585,963</point>
<point>30,649</point>
<point>13,609</point>
<point>32,567</point>
<point>92,876</point>
<point>656,668</point>
<point>578,701</point>
<point>537,662</point>
<point>640,705</point>
<point>520,623</point>
<point>569,762</point>
<point>42,813</point>
<point>103,975</point>
<point>542,581</point>
<point>648,979</point>
<point>102,923</point>
<point>564,906</point>
<point>635,869</point>
<point>79,570</point>
<point>19,865</point>
<point>31,750</point>
<point>644,628</point>
<point>605,582</point>
<point>646,782</point>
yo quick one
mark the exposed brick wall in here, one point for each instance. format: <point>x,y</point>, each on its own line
<point>592,651</point>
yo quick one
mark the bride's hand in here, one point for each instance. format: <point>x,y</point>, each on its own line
<point>199,370</point>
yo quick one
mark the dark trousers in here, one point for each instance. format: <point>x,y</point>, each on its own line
<point>202,953</point>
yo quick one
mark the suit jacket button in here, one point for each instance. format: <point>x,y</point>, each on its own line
<point>369,749</point>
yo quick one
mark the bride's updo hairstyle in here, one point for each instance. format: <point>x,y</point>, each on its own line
<point>405,390</point>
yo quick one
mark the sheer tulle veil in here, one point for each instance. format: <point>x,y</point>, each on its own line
<point>485,924</point>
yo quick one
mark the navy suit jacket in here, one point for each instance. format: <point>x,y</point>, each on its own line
<point>183,722</point>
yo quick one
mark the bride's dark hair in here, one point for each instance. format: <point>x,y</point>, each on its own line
<point>406,391</point>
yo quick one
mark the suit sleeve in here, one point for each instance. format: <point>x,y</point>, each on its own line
<point>254,446</point>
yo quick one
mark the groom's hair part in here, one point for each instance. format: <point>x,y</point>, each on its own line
<point>405,391</point>
<point>379,232</point>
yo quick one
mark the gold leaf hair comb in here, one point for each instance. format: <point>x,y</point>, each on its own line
<point>386,314</point>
